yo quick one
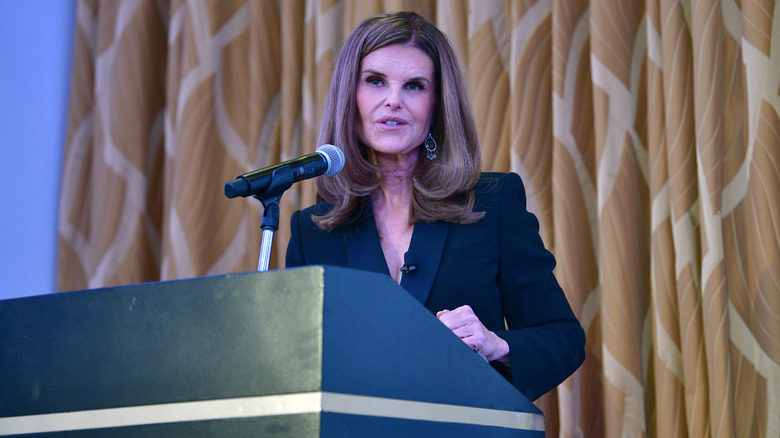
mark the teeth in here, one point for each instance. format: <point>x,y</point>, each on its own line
<point>391,122</point>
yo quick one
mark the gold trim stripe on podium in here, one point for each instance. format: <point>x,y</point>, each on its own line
<point>264,406</point>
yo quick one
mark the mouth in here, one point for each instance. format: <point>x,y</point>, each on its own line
<point>391,121</point>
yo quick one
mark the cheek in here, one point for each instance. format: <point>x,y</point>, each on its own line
<point>360,128</point>
<point>360,115</point>
<point>363,103</point>
<point>427,109</point>
<point>426,119</point>
<point>364,99</point>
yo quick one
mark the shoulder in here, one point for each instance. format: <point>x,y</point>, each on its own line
<point>362,210</point>
<point>317,209</point>
<point>494,188</point>
<point>304,216</point>
<point>491,181</point>
<point>301,224</point>
<point>309,244</point>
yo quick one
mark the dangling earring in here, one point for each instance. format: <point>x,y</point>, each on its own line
<point>430,146</point>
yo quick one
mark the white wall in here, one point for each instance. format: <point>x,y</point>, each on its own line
<point>36,39</point>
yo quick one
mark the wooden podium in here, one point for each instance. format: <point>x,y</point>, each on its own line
<point>304,352</point>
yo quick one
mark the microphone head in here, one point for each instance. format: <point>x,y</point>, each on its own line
<point>334,158</point>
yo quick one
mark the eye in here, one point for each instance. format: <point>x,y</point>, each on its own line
<point>374,81</point>
<point>414,86</point>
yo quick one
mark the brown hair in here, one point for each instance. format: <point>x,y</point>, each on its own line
<point>443,188</point>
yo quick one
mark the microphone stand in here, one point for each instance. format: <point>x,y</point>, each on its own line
<point>282,180</point>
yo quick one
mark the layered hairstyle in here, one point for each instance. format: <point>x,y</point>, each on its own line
<point>443,188</point>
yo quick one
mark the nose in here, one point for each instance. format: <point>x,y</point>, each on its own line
<point>393,97</point>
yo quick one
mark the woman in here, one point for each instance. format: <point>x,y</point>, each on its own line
<point>412,203</point>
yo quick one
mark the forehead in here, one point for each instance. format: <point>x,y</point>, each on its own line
<point>398,60</point>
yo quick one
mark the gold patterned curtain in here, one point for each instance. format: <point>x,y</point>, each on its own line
<point>647,132</point>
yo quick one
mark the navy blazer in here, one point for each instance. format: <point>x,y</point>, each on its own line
<point>498,266</point>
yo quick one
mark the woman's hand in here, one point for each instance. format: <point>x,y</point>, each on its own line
<point>465,324</point>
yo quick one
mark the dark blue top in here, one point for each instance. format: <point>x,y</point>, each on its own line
<point>498,266</point>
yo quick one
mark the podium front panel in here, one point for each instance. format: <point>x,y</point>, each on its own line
<point>209,338</point>
<point>302,352</point>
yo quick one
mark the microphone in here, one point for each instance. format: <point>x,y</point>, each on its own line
<point>410,263</point>
<point>327,160</point>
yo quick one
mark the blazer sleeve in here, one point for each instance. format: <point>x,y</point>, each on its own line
<point>546,342</point>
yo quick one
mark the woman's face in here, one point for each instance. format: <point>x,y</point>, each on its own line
<point>396,96</point>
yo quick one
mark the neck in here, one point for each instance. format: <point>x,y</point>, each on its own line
<point>395,181</point>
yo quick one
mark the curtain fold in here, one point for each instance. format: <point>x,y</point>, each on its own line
<point>647,133</point>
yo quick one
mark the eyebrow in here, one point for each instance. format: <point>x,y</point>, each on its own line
<point>382,75</point>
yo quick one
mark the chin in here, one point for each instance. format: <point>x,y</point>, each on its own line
<point>394,148</point>
<point>394,151</point>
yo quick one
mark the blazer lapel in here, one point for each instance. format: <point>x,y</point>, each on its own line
<point>364,252</point>
<point>362,243</point>
<point>425,252</point>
